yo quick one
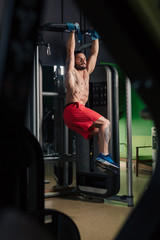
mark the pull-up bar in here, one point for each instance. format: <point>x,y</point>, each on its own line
<point>68,27</point>
<point>54,27</point>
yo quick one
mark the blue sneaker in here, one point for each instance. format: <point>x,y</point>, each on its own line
<point>106,161</point>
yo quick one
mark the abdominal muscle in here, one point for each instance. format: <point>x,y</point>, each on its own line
<point>77,87</point>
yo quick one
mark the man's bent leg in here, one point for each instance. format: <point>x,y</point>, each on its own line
<point>104,134</point>
<point>104,159</point>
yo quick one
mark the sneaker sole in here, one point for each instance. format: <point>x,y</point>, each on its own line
<point>107,170</point>
<point>107,164</point>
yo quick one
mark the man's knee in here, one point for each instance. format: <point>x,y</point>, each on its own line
<point>106,122</point>
<point>102,121</point>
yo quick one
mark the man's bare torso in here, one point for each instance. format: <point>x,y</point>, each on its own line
<point>77,85</point>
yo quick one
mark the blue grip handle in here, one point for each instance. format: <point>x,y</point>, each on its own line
<point>75,26</point>
<point>71,26</point>
<point>94,34</point>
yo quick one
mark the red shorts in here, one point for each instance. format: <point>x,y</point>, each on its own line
<point>80,119</point>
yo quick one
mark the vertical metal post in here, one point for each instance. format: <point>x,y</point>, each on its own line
<point>37,95</point>
<point>34,114</point>
<point>129,140</point>
<point>40,104</point>
<point>37,91</point>
<point>65,152</point>
<point>109,103</point>
<point>65,139</point>
<point>115,114</point>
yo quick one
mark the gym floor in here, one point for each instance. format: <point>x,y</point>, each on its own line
<point>96,219</point>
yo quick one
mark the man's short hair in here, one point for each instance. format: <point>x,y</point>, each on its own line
<point>78,52</point>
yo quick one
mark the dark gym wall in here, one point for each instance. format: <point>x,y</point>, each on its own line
<point>1,13</point>
<point>63,11</point>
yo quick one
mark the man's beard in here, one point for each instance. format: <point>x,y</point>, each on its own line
<point>80,67</point>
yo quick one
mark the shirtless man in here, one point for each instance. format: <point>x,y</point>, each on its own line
<point>76,116</point>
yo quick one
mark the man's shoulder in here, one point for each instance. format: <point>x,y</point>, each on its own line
<point>69,70</point>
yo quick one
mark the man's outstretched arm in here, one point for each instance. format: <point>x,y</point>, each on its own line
<point>70,48</point>
<point>91,63</point>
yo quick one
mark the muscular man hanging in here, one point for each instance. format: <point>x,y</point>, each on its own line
<point>76,116</point>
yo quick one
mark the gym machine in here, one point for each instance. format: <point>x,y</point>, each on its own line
<point>56,152</point>
<point>63,155</point>
<point>89,179</point>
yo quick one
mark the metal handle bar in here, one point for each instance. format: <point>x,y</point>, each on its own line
<point>49,94</point>
<point>58,27</point>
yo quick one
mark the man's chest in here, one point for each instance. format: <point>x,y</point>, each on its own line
<point>82,80</point>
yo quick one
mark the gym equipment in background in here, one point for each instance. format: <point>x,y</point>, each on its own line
<point>46,106</point>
